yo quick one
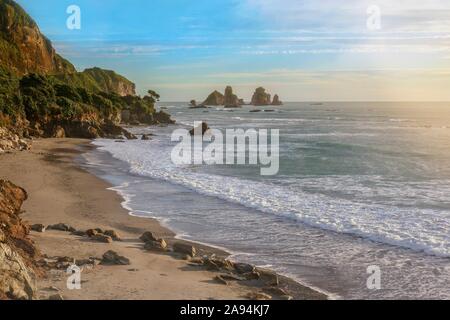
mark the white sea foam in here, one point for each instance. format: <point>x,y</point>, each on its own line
<point>419,229</point>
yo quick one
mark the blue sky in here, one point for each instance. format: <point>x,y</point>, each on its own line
<point>303,50</point>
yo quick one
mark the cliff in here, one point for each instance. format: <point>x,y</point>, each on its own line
<point>18,254</point>
<point>100,80</point>
<point>23,48</point>
<point>42,95</point>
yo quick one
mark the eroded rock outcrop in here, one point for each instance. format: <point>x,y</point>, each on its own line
<point>276,101</point>
<point>230,99</point>
<point>10,141</point>
<point>17,252</point>
<point>214,99</point>
<point>23,48</point>
<point>260,97</point>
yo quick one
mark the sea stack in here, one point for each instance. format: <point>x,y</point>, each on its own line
<point>260,97</point>
<point>214,99</point>
<point>231,100</point>
<point>276,101</point>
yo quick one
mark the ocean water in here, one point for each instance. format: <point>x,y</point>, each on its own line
<point>360,184</point>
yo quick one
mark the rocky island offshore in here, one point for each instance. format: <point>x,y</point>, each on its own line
<point>231,100</point>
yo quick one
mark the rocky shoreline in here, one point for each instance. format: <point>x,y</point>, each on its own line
<point>107,245</point>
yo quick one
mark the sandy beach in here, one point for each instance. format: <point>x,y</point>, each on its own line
<point>61,192</point>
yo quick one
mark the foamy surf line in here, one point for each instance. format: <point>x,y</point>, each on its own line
<point>179,234</point>
<point>378,223</point>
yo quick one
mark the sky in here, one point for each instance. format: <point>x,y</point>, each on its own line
<point>303,50</point>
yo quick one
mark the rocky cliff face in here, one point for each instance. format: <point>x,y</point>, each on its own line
<point>17,251</point>
<point>215,99</point>
<point>23,48</point>
<point>10,141</point>
<point>260,97</point>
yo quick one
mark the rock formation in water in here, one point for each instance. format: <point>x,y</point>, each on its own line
<point>230,99</point>
<point>214,99</point>
<point>260,97</point>
<point>200,129</point>
<point>276,101</point>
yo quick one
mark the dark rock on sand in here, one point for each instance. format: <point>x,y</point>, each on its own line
<point>184,248</point>
<point>148,236</point>
<point>158,245</point>
<point>113,234</point>
<point>113,258</point>
<point>61,227</point>
<point>243,267</point>
<point>79,233</point>
<point>91,232</point>
<point>102,238</point>
<point>38,227</point>
<point>269,277</point>
<point>145,137</point>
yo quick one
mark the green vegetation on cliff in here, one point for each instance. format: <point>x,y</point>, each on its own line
<point>23,48</point>
<point>40,89</point>
<point>97,80</point>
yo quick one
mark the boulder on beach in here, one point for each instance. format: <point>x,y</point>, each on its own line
<point>61,227</point>
<point>184,248</point>
<point>158,245</point>
<point>38,227</point>
<point>102,238</point>
<point>148,236</point>
<point>113,234</point>
<point>111,257</point>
